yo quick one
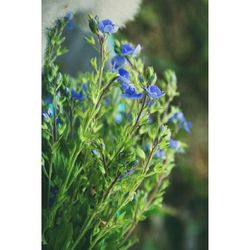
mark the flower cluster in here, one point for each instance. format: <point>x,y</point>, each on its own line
<point>93,154</point>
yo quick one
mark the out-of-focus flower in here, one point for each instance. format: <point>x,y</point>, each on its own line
<point>77,95</point>
<point>174,144</point>
<point>117,62</point>
<point>182,121</point>
<point>160,154</point>
<point>70,24</point>
<point>107,26</point>
<point>126,174</point>
<point>154,92</point>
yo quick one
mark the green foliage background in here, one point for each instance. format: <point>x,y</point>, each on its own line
<point>175,34</point>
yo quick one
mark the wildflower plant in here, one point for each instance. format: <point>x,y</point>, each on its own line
<point>109,143</point>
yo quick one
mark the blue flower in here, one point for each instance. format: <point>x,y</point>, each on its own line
<point>117,62</point>
<point>47,115</point>
<point>182,121</point>
<point>129,49</point>
<point>107,26</point>
<point>124,75</point>
<point>160,154</point>
<point>76,95</point>
<point>69,17</point>
<point>178,116</point>
<point>154,92</point>
<point>70,26</point>
<point>173,144</point>
<point>129,91</point>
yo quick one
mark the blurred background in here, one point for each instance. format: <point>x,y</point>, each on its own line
<point>174,34</point>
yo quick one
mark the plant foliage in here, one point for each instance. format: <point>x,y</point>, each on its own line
<point>108,146</point>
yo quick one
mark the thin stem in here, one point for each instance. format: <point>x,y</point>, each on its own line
<point>105,89</point>
<point>139,114</point>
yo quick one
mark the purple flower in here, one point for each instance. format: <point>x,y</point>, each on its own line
<point>107,26</point>
<point>117,62</point>
<point>129,91</point>
<point>129,49</point>
<point>160,154</point>
<point>154,92</point>
<point>124,75</point>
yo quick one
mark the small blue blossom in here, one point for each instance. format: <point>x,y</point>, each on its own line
<point>160,154</point>
<point>129,91</point>
<point>124,75</point>
<point>70,24</point>
<point>129,49</point>
<point>174,144</point>
<point>154,92</point>
<point>117,62</point>
<point>182,121</point>
<point>187,125</point>
<point>178,116</point>
<point>45,116</point>
<point>95,152</point>
<point>69,16</point>
<point>76,95</point>
<point>107,26</point>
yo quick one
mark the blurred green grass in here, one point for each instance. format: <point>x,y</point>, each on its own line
<point>174,34</point>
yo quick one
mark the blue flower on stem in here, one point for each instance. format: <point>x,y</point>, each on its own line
<point>160,154</point>
<point>182,121</point>
<point>154,92</point>
<point>123,75</point>
<point>129,91</point>
<point>128,49</point>
<point>107,26</point>
<point>117,62</point>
